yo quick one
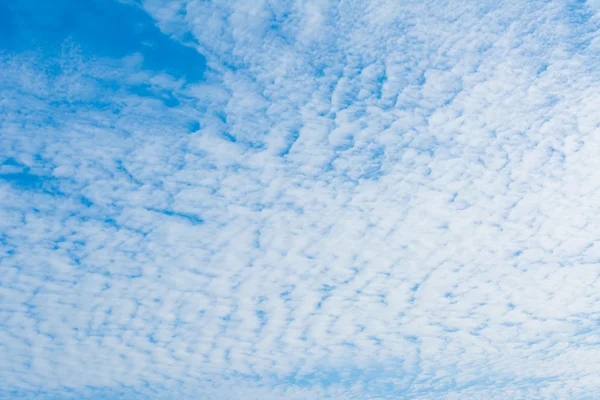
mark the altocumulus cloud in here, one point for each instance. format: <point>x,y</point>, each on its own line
<point>299,199</point>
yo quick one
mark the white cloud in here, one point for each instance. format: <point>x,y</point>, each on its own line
<point>377,201</point>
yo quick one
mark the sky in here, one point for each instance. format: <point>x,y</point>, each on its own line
<point>285,199</point>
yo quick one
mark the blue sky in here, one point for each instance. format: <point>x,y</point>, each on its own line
<point>299,199</point>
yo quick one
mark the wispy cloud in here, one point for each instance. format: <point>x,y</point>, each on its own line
<point>354,200</point>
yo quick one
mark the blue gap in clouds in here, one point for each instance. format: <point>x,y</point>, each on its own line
<point>191,218</point>
<point>19,175</point>
<point>292,138</point>
<point>104,28</point>
<point>22,179</point>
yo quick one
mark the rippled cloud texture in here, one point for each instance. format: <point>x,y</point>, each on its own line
<point>299,199</point>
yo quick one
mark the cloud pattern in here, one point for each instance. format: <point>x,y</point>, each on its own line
<point>328,200</point>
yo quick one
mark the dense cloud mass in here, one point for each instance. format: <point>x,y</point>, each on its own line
<point>323,200</point>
